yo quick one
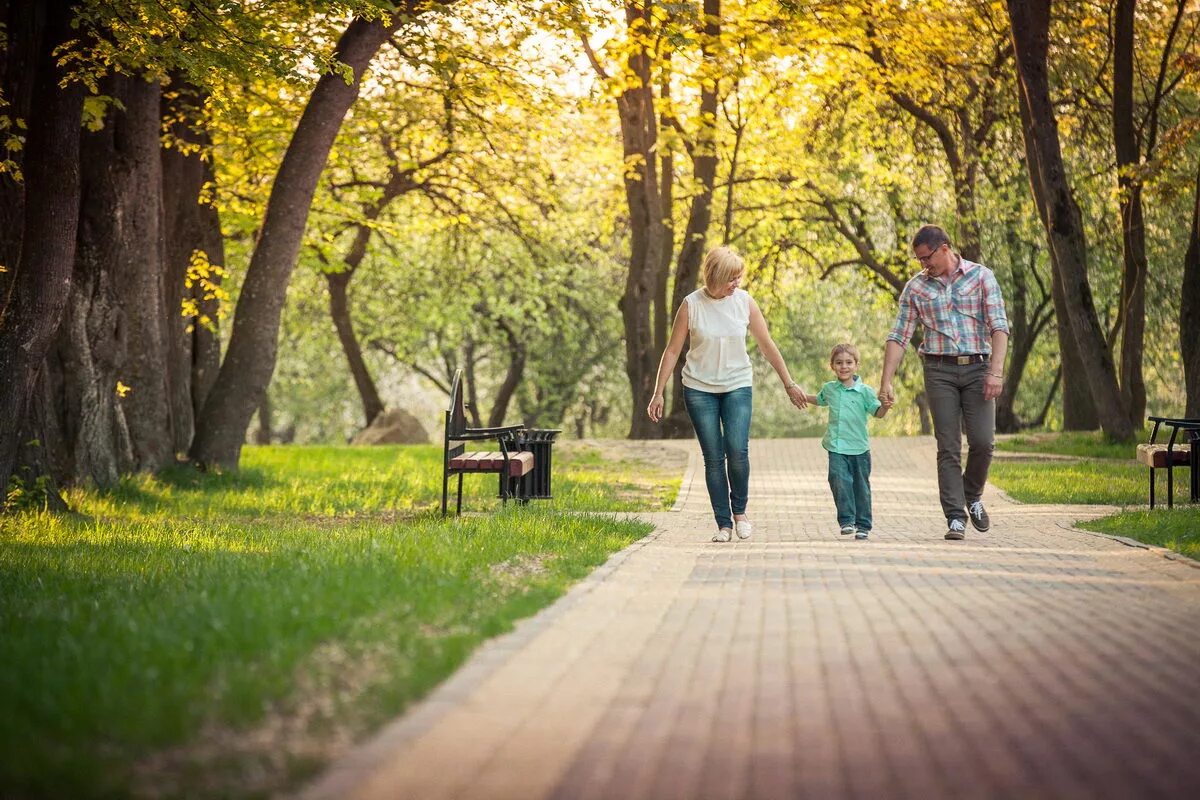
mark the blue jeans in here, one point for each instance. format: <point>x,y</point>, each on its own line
<point>722,423</point>
<point>850,480</point>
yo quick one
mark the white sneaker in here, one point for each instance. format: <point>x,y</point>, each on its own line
<point>847,530</point>
<point>722,535</point>
<point>743,528</point>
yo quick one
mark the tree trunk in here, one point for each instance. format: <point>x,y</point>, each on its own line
<point>339,310</point>
<point>695,237</point>
<point>115,402</point>
<point>639,136</point>
<point>25,32</point>
<point>191,230</point>
<point>253,343</point>
<point>1133,232</point>
<point>131,139</point>
<point>1189,312</point>
<point>265,422</point>
<point>40,284</point>
<point>1064,228</point>
<point>517,356</point>
<point>1078,407</point>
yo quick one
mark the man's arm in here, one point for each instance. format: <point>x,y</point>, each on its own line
<point>892,355</point>
<point>993,384</point>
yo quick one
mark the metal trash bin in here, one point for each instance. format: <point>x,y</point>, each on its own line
<point>536,484</point>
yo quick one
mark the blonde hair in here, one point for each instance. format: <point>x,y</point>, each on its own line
<point>720,265</point>
<point>848,349</point>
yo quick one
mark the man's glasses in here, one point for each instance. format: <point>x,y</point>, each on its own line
<point>924,260</point>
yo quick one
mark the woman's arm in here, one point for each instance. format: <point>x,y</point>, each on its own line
<point>758,328</point>
<point>666,364</point>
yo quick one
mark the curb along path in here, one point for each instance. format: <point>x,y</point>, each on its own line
<point>1034,660</point>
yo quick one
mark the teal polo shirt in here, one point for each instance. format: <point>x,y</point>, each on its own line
<point>849,407</point>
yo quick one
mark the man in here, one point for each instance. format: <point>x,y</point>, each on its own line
<point>958,302</point>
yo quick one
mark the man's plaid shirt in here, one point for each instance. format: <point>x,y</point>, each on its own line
<point>959,318</point>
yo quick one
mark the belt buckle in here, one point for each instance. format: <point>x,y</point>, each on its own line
<point>963,360</point>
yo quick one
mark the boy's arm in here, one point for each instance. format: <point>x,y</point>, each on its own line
<point>812,399</point>
<point>881,412</point>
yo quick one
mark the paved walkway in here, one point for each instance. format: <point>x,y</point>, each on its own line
<point>1032,661</point>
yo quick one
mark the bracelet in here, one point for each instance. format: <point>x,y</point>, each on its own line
<point>994,375</point>
<point>789,386</point>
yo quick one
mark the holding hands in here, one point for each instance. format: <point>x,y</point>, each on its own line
<point>800,398</point>
<point>887,396</point>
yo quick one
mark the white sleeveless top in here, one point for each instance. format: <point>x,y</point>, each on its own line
<point>717,360</point>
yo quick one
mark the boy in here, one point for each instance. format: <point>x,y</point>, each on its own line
<point>850,401</point>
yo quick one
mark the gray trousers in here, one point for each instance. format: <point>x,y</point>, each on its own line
<point>956,402</point>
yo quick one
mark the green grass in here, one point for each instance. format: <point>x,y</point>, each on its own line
<point>162,629</point>
<point>1085,444</point>
<point>1086,482</point>
<point>1177,529</point>
<point>1105,474</point>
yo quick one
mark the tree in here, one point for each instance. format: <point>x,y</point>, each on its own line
<point>250,357</point>
<point>1135,128</point>
<point>1189,311</point>
<point>1064,225</point>
<point>36,292</point>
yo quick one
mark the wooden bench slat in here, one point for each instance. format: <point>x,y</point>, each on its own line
<point>1155,455</point>
<point>519,464</point>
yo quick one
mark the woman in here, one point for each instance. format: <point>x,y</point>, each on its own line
<point>717,378</point>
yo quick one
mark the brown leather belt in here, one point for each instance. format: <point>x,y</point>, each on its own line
<point>961,361</point>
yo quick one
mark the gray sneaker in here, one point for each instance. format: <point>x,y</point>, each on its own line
<point>860,535</point>
<point>957,530</point>
<point>979,516</point>
<point>847,530</point>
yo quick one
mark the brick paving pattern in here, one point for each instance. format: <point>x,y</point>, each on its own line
<point>1031,661</point>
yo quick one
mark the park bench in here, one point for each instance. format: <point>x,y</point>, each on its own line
<point>508,462</point>
<point>1174,453</point>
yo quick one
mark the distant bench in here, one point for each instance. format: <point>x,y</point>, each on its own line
<point>508,462</point>
<point>1172,453</point>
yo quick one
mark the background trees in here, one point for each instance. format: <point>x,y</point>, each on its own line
<point>346,203</point>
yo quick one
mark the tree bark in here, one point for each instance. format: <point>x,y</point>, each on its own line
<point>1064,228</point>
<point>639,138</point>
<point>1133,231</point>
<point>191,226</point>
<point>695,236</point>
<point>131,139</point>
<point>253,343</point>
<point>40,284</point>
<point>339,310</point>
<point>1026,325</point>
<point>517,357</point>
<point>25,32</point>
<point>1189,312</point>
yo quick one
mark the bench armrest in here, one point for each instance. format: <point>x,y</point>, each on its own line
<point>489,433</point>
<point>1177,422</point>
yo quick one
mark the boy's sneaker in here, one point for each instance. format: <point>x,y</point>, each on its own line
<point>860,535</point>
<point>957,529</point>
<point>979,516</point>
<point>743,528</point>
<point>723,535</point>
<point>847,530</point>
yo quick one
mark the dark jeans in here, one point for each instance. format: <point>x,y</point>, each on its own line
<point>956,402</point>
<point>850,480</point>
<point>722,423</point>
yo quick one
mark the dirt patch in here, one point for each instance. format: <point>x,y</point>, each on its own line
<point>319,722</point>
<point>670,454</point>
<point>519,569</point>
